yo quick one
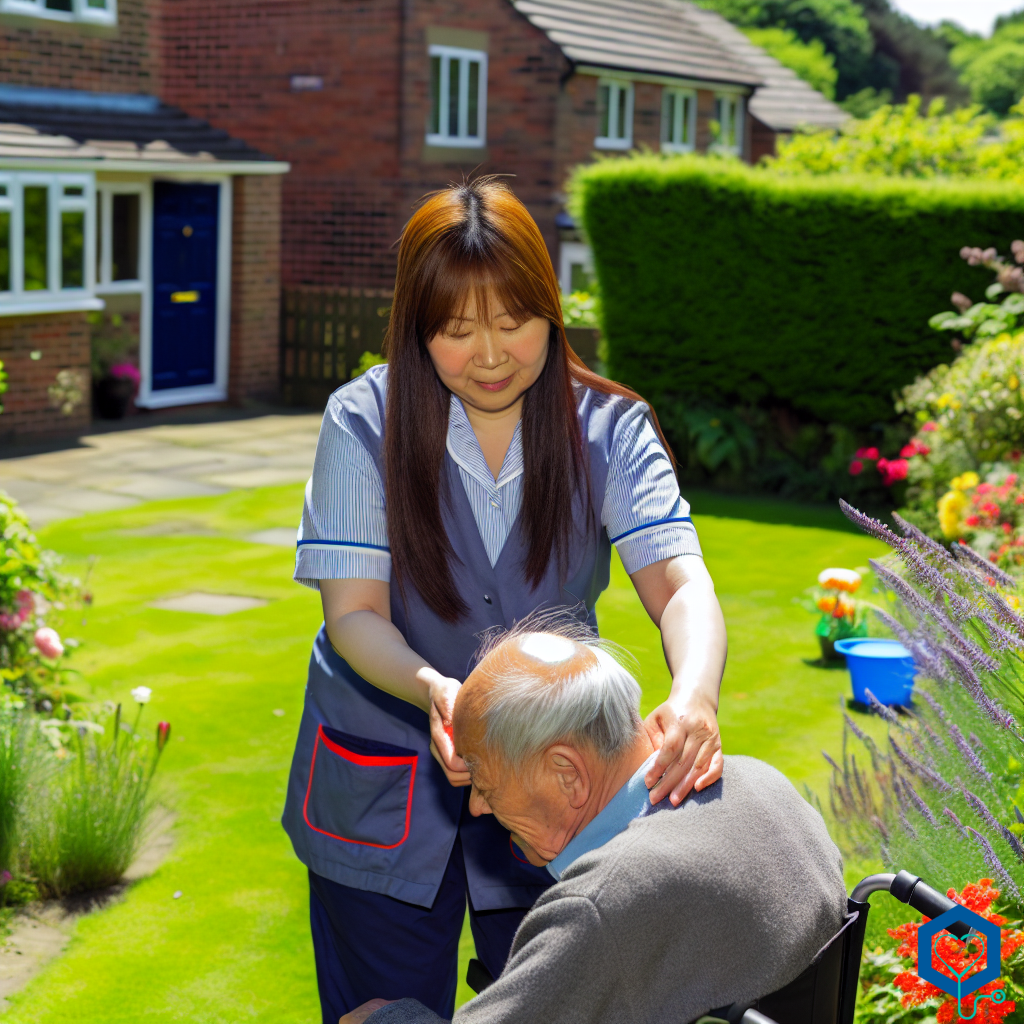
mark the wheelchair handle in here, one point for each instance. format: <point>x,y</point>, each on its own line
<point>908,888</point>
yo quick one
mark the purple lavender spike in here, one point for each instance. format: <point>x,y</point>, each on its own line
<point>933,704</point>
<point>953,818</point>
<point>990,819</point>
<point>1004,613</point>
<point>872,526</point>
<point>880,708</point>
<point>919,769</point>
<point>854,728</point>
<point>928,576</point>
<point>831,762</point>
<point>922,540</point>
<point>968,754</point>
<point>973,686</point>
<point>996,865</point>
<point>982,564</point>
<point>907,827</point>
<point>925,810</point>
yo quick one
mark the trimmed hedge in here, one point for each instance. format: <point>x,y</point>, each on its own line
<point>728,284</point>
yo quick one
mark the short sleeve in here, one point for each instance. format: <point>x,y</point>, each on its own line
<point>646,517</point>
<point>344,534</point>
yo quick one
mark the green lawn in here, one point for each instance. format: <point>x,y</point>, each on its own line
<point>235,946</point>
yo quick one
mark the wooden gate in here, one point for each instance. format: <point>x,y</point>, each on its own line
<point>324,332</point>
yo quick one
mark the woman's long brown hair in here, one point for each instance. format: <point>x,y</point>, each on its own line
<point>477,239</point>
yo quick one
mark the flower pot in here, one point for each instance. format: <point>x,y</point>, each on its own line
<point>828,649</point>
<point>112,396</point>
<point>885,667</point>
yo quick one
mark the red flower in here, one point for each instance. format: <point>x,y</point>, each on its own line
<point>984,489</point>
<point>893,470</point>
<point>1011,480</point>
<point>857,467</point>
<point>1007,528</point>
<point>972,520</point>
<point>866,453</point>
<point>927,428</point>
<point>163,732</point>
<point>908,451</point>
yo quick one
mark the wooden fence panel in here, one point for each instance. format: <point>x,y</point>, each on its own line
<point>324,332</point>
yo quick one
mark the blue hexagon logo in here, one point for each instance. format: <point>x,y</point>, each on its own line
<point>979,935</point>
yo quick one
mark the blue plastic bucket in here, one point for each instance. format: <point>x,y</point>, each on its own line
<point>885,667</point>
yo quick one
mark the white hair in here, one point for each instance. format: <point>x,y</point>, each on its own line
<point>525,712</point>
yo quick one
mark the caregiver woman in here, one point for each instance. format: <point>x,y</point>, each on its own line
<point>481,475</point>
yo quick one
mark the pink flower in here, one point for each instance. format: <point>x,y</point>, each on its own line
<point>972,520</point>
<point>915,447</point>
<point>928,427</point>
<point>866,453</point>
<point>893,470</point>
<point>128,371</point>
<point>163,732</point>
<point>856,467</point>
<point>48,643</point>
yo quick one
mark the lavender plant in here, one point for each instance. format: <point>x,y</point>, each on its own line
<point>944,796</point>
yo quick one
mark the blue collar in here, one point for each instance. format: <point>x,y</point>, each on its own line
<point>632,801</point>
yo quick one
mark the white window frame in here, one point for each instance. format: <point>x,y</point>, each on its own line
<point>81,11</point>
<point>573,254</point>
<point>53,298</point>
<point>616,139</point>
<point>105,191</point>
<point>737,114</point>
<point>684,128</point>
<point>460,139</point>
<point>218,390</point>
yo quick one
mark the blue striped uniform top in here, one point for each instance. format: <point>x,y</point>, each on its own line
<point>344,534</point>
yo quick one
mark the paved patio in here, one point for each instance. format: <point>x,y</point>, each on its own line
<point>115,469</point>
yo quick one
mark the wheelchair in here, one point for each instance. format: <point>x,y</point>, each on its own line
<point>826,992</point>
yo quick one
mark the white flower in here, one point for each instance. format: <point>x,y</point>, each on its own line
<point>141,694</point>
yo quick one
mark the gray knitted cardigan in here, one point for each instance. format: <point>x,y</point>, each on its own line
<point>727,897</point>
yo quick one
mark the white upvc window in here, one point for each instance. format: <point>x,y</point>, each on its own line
<point>122,219</point>
<point>103,12</point>
<point>678,120</point>
<point>47,239</point>
<point>614,114</point>
<point>458,97</point>
<point>729,115</point>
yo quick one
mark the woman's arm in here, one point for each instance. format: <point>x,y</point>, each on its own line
<point>679,596</point>
<point>357,614</point>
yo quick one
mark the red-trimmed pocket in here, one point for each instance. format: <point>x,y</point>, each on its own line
<point>360,791</point>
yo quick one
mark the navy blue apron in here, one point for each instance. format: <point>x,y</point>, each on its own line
<point>368,806</point>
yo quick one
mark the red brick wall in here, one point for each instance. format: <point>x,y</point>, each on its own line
<point>72,55</point>
<point>63,340</point>
<point>762,140</point>
<point>255,288</point>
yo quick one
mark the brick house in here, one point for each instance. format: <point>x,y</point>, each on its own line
<point>376,103</point>
<point>127,227</point>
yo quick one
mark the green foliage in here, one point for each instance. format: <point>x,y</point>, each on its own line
<point>866,101</point>
<point>112,341</point>
<point>993,68</point>
<point>748,288</point>
<point>3,382</point>
<point>87,816</point>
<point>366,360</point>
<point>17,755</point>
<point>581,309</point>
<point>809,60</point>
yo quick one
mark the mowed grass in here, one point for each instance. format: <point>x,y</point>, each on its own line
<point>235,946</point>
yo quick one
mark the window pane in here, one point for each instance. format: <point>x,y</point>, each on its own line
<point>668,116</point>
<point>100,200</point>
<point>5,251</point>
<point>74,190</point>
<point>124,238</point>
<point>72,249</point>
<point>36,224</point>
<point>58,5</point>
<point>435,95</point>
<point>3,190</point>
<point>684,135</point>
<point>473,115</point>
<point>603,109</point>
<point>454,67</point>
<point>620,126</point>
<point>99,5</point>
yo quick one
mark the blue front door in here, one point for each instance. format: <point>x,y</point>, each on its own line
<point>184,285</point>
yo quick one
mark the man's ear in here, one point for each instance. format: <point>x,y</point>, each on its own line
<point>570,772</point>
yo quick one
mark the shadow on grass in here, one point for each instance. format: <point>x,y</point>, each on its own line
<point>829,666</point>
<point>760,508</point>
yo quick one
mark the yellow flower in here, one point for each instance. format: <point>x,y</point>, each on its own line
<point>827,603</point>
<point>950,506</point>
<point>965,481</point>
<point>1013,383</point>
<point>944,400</point>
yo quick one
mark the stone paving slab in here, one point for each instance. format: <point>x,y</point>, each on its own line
<point>121,468</point>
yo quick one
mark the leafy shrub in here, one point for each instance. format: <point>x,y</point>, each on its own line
<point>747,289</point>
<point>17,768</point>
<point>902,141</point>
<point>33,594</point>
<point>89,815</point>
<point>581,309</point>
<point>993,68</point>
<point>941,798</point>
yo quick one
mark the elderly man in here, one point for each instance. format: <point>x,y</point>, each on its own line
<point>660,913</point>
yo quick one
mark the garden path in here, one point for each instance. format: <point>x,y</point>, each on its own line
<point>109,471</point>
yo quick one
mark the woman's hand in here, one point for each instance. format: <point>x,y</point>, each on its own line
<point>442,692</point>
<point>685,734</point>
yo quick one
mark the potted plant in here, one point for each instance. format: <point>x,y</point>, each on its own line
<point>115,374</point>
<point>115,391</point>
<point>840,615</point>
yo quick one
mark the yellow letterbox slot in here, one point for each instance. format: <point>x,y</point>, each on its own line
<point>184,296</point>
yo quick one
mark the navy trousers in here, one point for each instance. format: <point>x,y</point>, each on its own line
<point>368,945</point>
